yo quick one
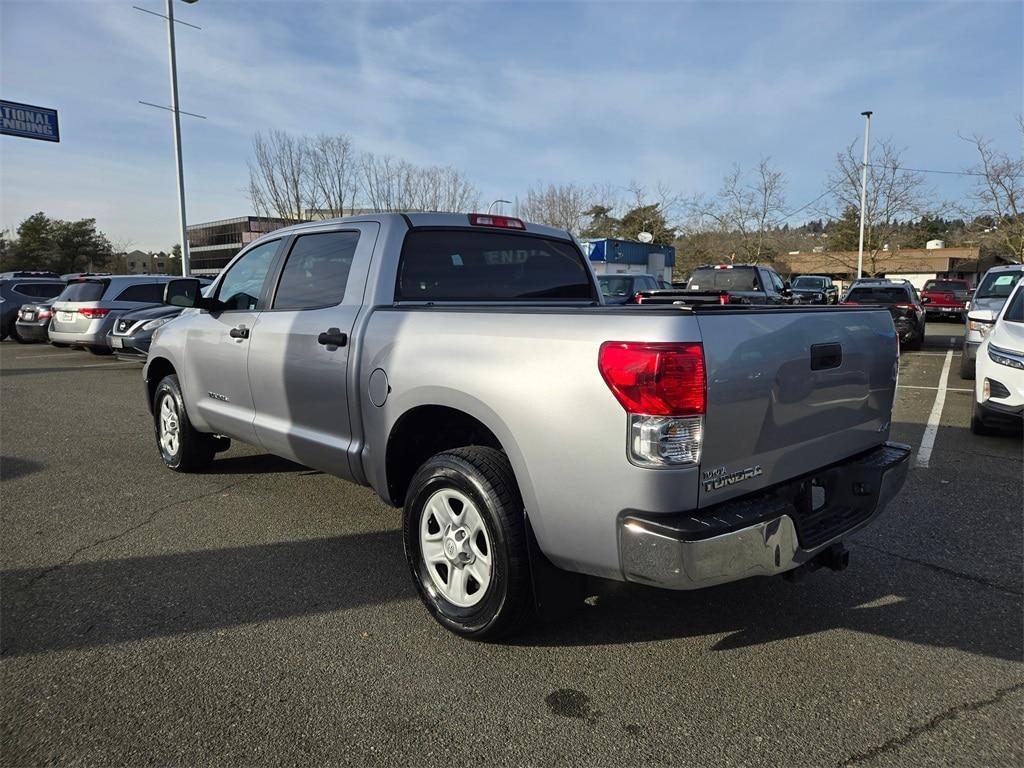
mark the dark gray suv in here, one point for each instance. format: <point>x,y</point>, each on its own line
<point>17,288</point>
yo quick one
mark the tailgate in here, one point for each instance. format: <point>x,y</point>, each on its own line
<point>790,391</point>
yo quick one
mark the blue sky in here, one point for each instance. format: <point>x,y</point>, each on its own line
<point>510,93</point>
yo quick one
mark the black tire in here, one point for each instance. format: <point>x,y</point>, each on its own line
<point>967,367</point>
<point>59,345</point>
<point>917,342</point>
<point>193,450</point>
<point>102,351</point>
<point>484,476</point>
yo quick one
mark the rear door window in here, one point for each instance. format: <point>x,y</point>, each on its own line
<point>84,290</point>
<point>40,290</point>
<point>467,265</point>
<point>147,293</point>
<point>316,272</point>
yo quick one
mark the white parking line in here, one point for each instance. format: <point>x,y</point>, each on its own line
<point>46,354</point>
<point>918,386</point>
<point>924,453</point>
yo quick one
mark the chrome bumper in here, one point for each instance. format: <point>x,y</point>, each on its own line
<point>656,550</point>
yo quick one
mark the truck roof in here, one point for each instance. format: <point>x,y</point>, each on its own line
<point>420,220</point>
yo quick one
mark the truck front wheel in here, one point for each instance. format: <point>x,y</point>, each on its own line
<point>182,447</point>
<point>465,541</point>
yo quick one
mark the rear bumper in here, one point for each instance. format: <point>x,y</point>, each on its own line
<point>32,331</point>
<point>762,535</point>
<point>77,338</point>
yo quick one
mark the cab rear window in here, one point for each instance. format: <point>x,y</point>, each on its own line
<point>84,290</point>
<point>725,279</point>
<point>468,265</point>
<point>879,296</point>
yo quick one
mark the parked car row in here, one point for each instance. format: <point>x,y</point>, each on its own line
<point>105,314</point>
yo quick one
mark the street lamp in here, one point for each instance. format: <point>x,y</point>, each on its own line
<point>496,203</point>
<point>863,191</point>
<point>177,137</point>
<point>176,118</point>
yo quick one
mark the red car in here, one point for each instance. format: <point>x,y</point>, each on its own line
<point>947,297</point>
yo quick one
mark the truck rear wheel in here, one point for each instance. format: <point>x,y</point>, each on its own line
<point>182,447</point>
<point>465,541</point>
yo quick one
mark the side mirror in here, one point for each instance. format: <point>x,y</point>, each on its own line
<point>925,300</point>
<point>184,292</point>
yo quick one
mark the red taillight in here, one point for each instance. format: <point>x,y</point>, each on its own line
<point>655,379</point>
<point>905,306</point>
<point>93,312</point>
<point>502,222</point>
<point>638,298</point>
<point>723,298</point>
<point>44,314</point>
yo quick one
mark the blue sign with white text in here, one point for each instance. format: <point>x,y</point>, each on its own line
<point>28,122</point>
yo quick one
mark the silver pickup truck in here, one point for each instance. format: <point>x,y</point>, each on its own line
<point>465,368</point>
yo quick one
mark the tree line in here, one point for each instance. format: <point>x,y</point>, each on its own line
<point>748,218</point>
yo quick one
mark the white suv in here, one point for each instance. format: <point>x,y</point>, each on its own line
<point>999,389</point>
<point>983,308</point>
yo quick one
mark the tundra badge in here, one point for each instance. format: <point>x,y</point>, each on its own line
<point>714,479</point>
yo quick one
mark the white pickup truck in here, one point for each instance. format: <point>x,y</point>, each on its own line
<point>465,367</point>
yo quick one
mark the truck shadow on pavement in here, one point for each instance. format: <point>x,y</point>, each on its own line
<point>99,603</point>
<point>256,464</point>
<point>872,597</point>
<point>114,601</point>
<point>12,467</point>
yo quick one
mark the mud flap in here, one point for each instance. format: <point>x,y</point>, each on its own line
<point>556,593</point>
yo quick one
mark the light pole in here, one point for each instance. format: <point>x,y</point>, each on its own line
<point>177,137</point>
<point>863,191</point>
<point>496,202</point>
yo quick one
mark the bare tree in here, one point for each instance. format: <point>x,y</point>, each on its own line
<point>280,179</point>
<point>746,212</point>
<point>333,173</point>
<point>893,193</point>
<point>563,206</point>
<point>998,197</point>
<point>437,188</point>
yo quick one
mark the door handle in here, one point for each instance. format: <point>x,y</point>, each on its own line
<point>333,337</point>
<point>241,332</point>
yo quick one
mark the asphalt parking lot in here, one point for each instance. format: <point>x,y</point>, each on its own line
<point>262,613</point>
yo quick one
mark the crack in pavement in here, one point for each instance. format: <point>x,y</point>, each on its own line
<point>114,537</point>
<point>952,713</point>
<point>944,570</point>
